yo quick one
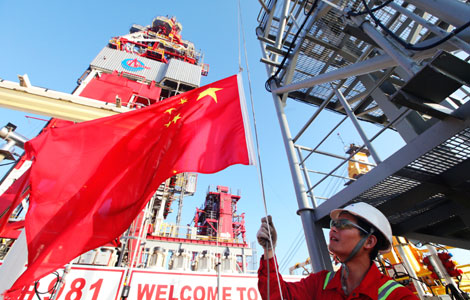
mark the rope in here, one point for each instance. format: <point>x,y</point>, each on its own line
<point>259,169</point>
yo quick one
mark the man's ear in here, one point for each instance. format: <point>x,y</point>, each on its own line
<point>370,242</point>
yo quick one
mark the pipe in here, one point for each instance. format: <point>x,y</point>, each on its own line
<point>305,210</point>
<point>411,271</point>
<point>405,62</point>
<point>439,267</point>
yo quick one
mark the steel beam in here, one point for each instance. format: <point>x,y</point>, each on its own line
<point>437,214</point>
<point>404,61</point>
<point>449,241</point>
<point>356,124</point>
<point>443,183</point>
<point>432,27</point>
<point>451,11</point>
<point>364,67</point>
<point>406,201</point>
<point>427,141</point>
<point>54,104</point>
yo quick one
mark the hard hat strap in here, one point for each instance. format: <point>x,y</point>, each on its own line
<point>344,267</point>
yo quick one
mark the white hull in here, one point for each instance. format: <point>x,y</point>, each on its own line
<point>96,283</point>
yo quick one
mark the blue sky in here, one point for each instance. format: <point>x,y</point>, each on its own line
<point>54,43</point>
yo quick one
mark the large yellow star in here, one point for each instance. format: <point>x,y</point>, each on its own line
<point>170,110</point>
<point>176,118</point>
<point>209,92</point>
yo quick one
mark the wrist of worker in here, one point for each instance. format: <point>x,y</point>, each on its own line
<point>268,253</point>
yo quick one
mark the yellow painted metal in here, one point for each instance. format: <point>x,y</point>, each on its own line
<point>54,104</point>
<point>355,168</point>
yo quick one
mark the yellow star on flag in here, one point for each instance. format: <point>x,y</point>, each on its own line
<point>170,110</point>
<point>176,118</point>
<point>209,92</point>
<point>168,124</point>
<point>183,100</point>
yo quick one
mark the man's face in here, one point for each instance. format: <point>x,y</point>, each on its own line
<point>343,241</point>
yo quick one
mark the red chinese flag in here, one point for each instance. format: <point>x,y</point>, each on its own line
<point>90,180</point>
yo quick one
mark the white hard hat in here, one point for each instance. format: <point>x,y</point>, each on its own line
<point>370,214</point>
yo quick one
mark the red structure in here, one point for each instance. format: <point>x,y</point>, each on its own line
<point>217,217</point>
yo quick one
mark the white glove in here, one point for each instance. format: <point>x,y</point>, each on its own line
<point>263,234</point>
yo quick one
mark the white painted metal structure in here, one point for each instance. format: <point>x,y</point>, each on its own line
<point>402,65</point>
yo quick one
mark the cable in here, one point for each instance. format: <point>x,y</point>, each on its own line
<point>406,44</point>
<point>354,14</point>
<point>7,164</point>
<point>267,85</point>
<point>51,291</point>
<point>406,274</point>
<point>291,252</point>
<point>283,261</point>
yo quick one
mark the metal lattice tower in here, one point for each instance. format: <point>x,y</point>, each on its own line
<point>402,65</point>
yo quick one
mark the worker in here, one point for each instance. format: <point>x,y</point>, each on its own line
<point>358,233</point>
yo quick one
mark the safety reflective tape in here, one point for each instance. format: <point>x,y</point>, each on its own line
<point>328,279</point>
<point>387,288</point>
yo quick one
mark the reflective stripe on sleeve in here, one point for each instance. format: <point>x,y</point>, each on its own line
<point>387,288</point>
<point>328,278</point>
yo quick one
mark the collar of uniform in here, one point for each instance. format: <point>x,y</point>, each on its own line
<point>369,286</point>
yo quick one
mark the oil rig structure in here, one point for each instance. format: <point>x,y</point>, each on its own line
<point>135,70</point>
<point>401,66</point>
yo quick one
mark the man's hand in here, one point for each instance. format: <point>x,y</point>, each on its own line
<point>267,227</point>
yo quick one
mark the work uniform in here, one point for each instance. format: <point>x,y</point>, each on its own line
<point>327,285</point>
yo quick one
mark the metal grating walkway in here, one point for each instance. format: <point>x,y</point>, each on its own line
<point>424,188</point>
<point>348,60</point>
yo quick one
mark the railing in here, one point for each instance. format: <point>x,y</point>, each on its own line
<point>188,232</point>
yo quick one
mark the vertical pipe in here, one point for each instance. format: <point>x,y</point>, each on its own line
<point>307,178</point>
<point>282,26</point>
<point>358,126</point>
<point>270,18</point>
<point>180,201</point>
<point>411,271</point>
<point>313,236</point>
<point>439,267</point>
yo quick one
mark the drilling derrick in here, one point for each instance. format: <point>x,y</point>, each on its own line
<point>135,70</point>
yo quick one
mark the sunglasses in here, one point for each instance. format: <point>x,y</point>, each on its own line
<point>341,224</point>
